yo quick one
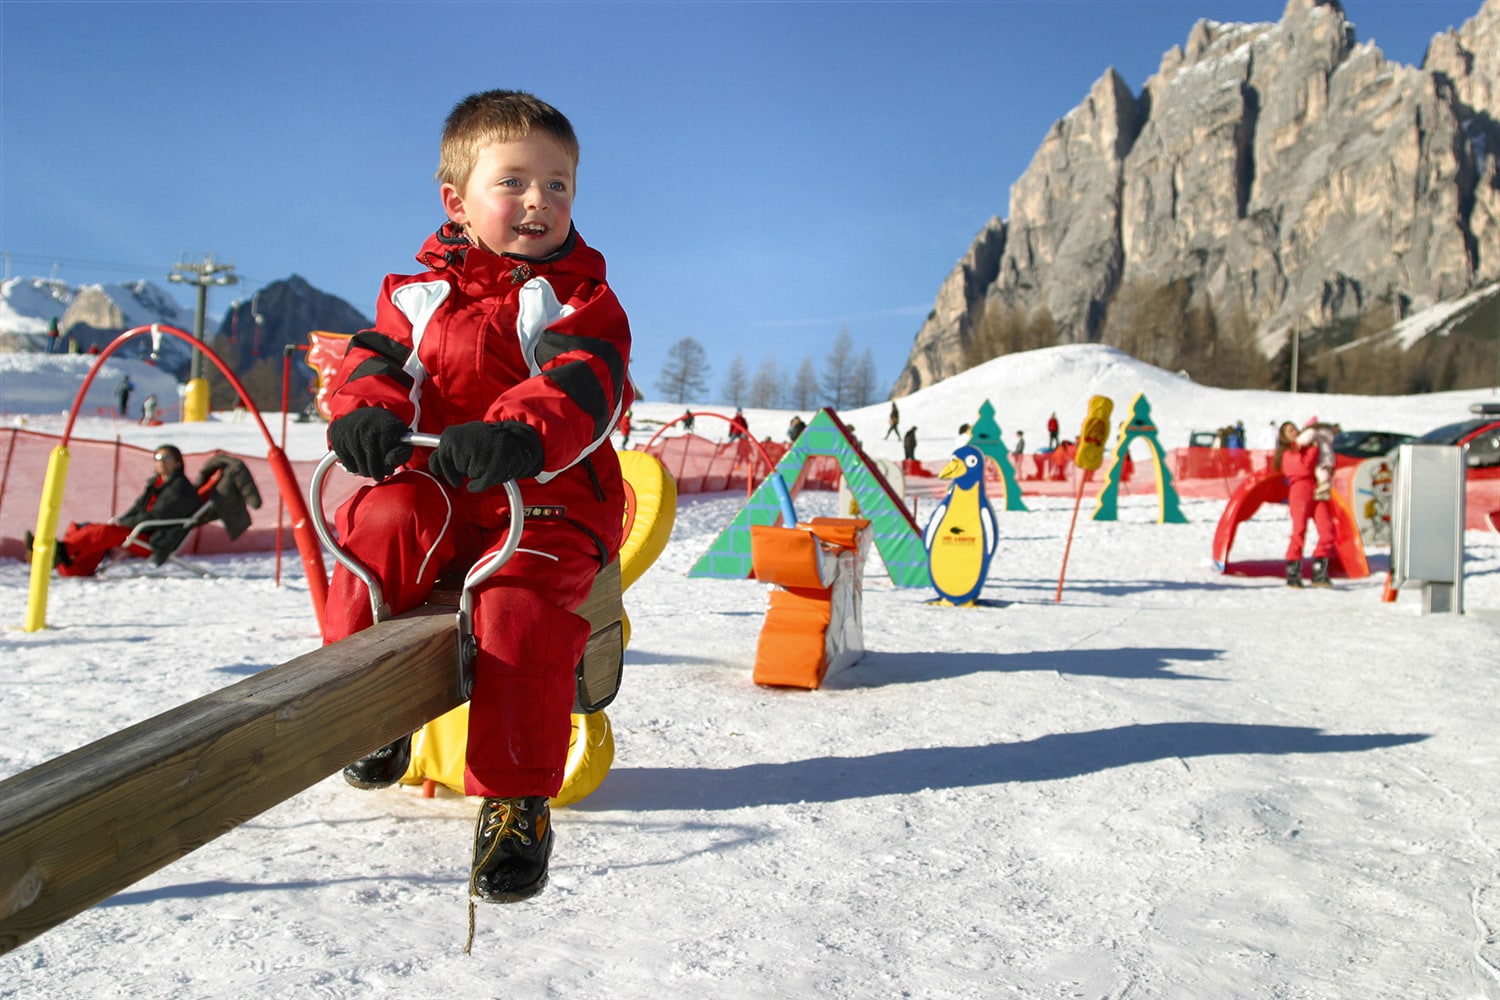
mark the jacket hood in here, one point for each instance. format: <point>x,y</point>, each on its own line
<point>449,251</point>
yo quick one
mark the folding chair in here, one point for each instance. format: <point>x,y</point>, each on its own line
<point>204,515</point>
<point>225,487</point>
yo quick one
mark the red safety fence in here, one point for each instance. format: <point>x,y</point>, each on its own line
<point>701,465</point>
<point>105,477</point>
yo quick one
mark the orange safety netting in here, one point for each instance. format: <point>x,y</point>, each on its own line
<point>703,466</point>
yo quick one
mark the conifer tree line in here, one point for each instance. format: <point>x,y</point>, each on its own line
<point>846,381</point>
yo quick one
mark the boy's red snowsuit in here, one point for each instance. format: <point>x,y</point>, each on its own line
<point>487,337</point>
<point>1299,465</point>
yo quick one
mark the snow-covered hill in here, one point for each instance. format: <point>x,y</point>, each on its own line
<point>28,305</point>
<point>36,390</point>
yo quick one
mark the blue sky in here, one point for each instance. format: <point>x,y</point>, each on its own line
<point>758,175</point>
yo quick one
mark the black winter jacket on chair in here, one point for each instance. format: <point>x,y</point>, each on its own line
<point>234,491</point>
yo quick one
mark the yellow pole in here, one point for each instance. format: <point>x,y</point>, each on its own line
<point>46,538</point>
<point>195,402</point>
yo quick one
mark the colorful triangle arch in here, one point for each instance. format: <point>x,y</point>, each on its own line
<point>895,534</point>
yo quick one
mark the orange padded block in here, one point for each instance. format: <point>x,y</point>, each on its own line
<point>791,557</point>
<point>840,531</point>
<point>812,613</point>
<point>792,651</point>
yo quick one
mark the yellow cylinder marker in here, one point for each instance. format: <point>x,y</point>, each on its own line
<point>195,401</point>
<point>46,539</point>
<point>1089,456</point>
<point>1095,432</point>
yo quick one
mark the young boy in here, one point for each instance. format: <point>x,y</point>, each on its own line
<point>512,348</point>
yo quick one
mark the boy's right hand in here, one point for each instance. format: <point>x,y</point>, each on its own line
<point>370,442</point>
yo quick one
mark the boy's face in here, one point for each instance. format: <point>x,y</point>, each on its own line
<point>518,198</point>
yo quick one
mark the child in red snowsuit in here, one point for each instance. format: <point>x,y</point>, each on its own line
<point>512,348</point>
<point>1297,456</point>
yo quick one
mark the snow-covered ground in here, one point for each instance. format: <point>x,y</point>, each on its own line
<point>1170,784</point>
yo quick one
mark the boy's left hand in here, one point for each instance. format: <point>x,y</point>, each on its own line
<point>487,454</point>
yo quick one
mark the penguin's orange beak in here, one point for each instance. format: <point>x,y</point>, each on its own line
<point>953,469</point>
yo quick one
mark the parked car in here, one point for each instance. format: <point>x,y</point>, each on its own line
<point>1368,444</point>
<point>1481,434</point>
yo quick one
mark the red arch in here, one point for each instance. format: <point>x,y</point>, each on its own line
<point>765,456</point>
<point>286,481</point>
<point>1349,547</point>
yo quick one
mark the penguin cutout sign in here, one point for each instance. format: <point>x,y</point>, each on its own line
<point>961,533</point>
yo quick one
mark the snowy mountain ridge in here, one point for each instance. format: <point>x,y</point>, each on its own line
<point>28,305</point>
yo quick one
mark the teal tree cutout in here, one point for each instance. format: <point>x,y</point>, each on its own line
<point>990,440</point>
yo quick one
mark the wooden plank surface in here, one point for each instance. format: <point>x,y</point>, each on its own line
<point>79,828</point>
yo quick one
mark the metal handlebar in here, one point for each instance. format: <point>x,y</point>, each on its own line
<point>477,574</point>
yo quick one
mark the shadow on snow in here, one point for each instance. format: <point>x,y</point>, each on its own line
<point>906,772</point>
<point>880,669</point>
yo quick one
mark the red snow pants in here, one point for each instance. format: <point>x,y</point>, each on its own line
<point>412,530</point>
<point>1300,504</point>
<point>87,545</point>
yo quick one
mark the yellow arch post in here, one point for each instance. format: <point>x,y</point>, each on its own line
<point>45,545</point>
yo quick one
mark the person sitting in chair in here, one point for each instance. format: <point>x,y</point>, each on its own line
<point>167,495</point>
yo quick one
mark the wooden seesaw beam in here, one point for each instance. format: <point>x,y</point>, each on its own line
<point>81,827</point>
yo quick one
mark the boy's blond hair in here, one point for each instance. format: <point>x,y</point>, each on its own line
<point>496,116</point>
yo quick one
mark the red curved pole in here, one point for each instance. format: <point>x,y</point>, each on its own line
<point>286,480</point>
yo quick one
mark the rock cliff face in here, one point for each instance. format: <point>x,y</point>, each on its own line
<point>255,333</point>
<point>99,313</point>
<point>1268,180</point>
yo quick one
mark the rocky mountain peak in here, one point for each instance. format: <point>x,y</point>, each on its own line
<point>1271,184</point>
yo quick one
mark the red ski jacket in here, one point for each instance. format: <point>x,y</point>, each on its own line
<point>1300,464</point>
<point>480,336</point>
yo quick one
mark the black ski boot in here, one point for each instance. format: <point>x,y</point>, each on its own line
<point>512,844</point>
<point>59,551</point>
<point>1294,572</point>
<point>382,768</point>
<point>1320,573</point>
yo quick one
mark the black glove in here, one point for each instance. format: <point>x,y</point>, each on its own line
<point>368,441</point>
<point>487,454</point>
